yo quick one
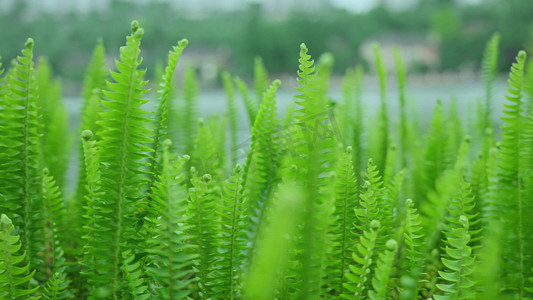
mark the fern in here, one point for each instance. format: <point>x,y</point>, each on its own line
<point>54,220</point>
<point>170,265</point>
<point>263,164</point>
<point>342,231</point>
<point>404,145</point>
<point>511,173</point>
<point>382,139</point>
<point>205,157</point>
<point>276,239</point>
<point>135,287</point>
<point>187,114</point>
<point>54,141</point>
<point>436,155</point>
<point>204,225</point>
<point>14,276</point>
<point>488,266</point>
<point>384,268</point>
<point>250,104</point>
<point>232,240</point>
<point>489,68</point>
<point>232,113</point>
<point>357,280</point>
<point>20,158</point>
<point>260,79</point>
<point>458,265</point>
<point>413,252</point>
<point>122,149</point>
<point>315,154</point>
<point>161,130</point>
<point>370,198</point>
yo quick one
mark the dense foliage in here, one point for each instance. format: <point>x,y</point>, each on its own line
<point>321,205</point>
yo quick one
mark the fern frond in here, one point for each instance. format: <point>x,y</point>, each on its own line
<point>54,135</point>
<point>20,158</point>
<point>250,104</point>
<point>260,79</point>
<point>96,74</point>
<point>488,266</point>
<point>512,171</point>
<point>161,115</point>
<point>358,143</point>
<point>400,73</point>
<point>205,157</point>
<point>342,229</point>
<point>185,128</point>
<point>93,85</point>
<point>226,283</point>
<point>489,71</point>
<point>232,113</point>
<point>263,164</point>
<point>170,265</point>
<point>314,155</point>
<point>436,155</point>
<point>136,287</point>
<point>14,272</point>
<point>123,155</point>
<point>92,213</point>
<point>382,141</point>
<point>357,282</point>
<point>383,272</point>
<point>275,243</point>
<point>346,108</point>
<point>413,252</point>
<point>204,225</point>
<point>54,216</point>
<point>454,129</point>
<point>370,198</point>
<point>56,288</point>
<point>459,264</point>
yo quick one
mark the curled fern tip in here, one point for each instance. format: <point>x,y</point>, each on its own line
<point>134,26</point>
<point>86,135</point>
<point>29,43</point>
<point>183,42</point>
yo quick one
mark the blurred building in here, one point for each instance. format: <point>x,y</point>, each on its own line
<point>416,52</point>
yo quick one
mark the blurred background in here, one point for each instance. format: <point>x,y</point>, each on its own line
<point>440,40</point>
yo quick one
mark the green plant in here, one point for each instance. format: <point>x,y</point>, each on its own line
<point>440,216</point>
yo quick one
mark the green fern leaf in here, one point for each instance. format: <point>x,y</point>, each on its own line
<point>260,79</point>
<point>204,226</point>
<point>170,265</point>
<point>249,103</point>
<point>370,198</point>
<point>384,271</point>
<point>123,154</point>
<point>275,243</point>
<point>233,238</point>
<point>14,272</point>
<point>381,143</point>
<point>232,113</point>
<point>262,167</point>
<point>54,216</point>
<point>357,280</point>
<point>404,144</point>
<point>342,229</point>
<point>20,157</point>
<point>459,264</point>
<point>489,71</point>
<point>512,171</point>
<point>161,115</point>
